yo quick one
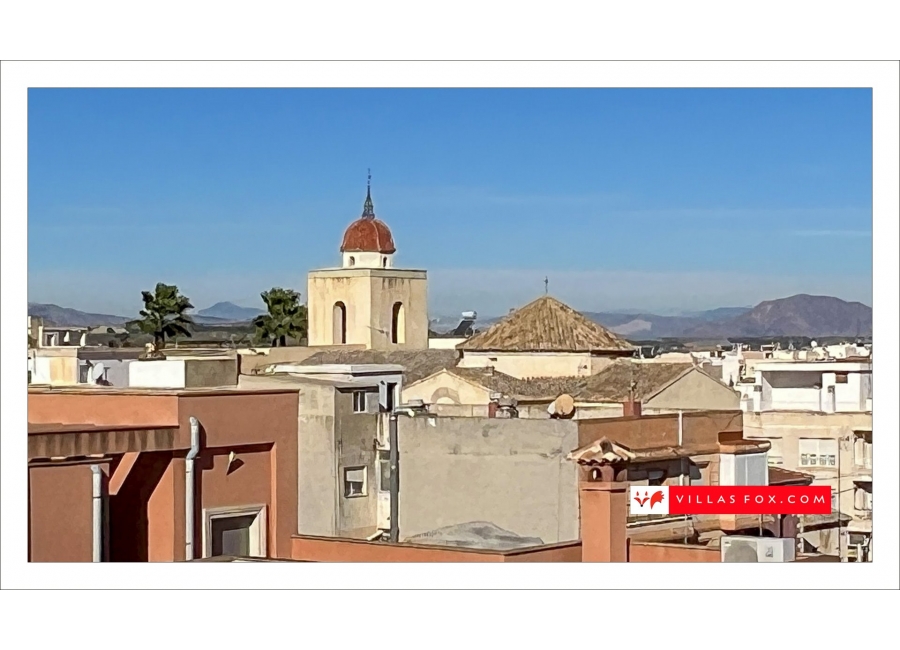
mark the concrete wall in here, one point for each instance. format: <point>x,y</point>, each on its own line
<point>355,435</point>
<point>590,411</point>
<point>661,552</point>
<point>204,373</point>
<point>183,373</point>
<point>512,473</point>
<point>258,357</point>
<point>54,369</point>
<point>342,550</point>
<point>116,370</point>
<point>535,364</point>
<point>695,391</point>
<point>446,389</point>
<point>368,296</point>
<point>792,391</point>
<point>162,373</point>
<point>444,343</point>
<point>317,485</point>
<point>660,430</point>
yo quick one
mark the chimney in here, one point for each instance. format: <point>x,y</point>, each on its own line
<point>492,409</point>
<point>604,515</point>
<point>631,408</point>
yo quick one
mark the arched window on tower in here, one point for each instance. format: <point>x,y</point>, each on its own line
<point>384,262</point>
<point>398,324</point>
<point>339,324</point>
<point>352,261</point>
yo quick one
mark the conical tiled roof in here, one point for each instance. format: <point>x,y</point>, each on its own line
<point>546,325</point>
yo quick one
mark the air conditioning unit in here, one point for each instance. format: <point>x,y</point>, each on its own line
<point>738,548</point>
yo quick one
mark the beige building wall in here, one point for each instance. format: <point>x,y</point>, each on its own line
<point>511,473</point>
<point>694,391</point>
<point>54,366</point>
<point>786,429</point>
<point>594,410</point>
<point>368,296</point>
<point>533,364</point>
<point>446,389</point>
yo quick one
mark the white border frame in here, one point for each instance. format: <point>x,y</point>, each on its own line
<point>882,76</point>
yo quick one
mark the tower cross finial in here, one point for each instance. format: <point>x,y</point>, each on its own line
<point>546,285</point>
<point>368,207</point>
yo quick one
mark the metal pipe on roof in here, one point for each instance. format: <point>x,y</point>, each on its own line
<point>393,438</point>
<point>97,501</point>
<point>189,489</point>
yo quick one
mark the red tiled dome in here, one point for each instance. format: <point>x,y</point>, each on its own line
<point>369,235</point>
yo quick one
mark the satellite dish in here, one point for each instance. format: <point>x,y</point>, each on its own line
<point>564,406</point>
<point>97,372</point>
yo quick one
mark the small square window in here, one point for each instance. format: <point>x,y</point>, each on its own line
<point>831,460</point>
<point>804,459</point>
<point>359,401</point>
<point>354,482</point>
<point>841,378</point>
<point>812,459</point>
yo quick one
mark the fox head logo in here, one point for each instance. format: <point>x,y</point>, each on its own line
<point>657,497</point>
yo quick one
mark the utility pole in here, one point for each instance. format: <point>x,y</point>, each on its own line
<point>386,403</point>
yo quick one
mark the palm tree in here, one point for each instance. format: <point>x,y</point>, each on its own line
<point>163,314</point>
<point>285,317</point>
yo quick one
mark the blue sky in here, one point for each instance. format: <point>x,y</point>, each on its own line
<point>659,200</point>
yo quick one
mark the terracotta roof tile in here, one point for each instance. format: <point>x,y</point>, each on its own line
<point>368,235</point>
<point>613,383</point>
<point>546,325</point>
<point>418,364</point>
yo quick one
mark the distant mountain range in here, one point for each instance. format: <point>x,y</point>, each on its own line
<point>802,315</point>
<point>65,317</point>
<point>221,313</point>
<point>230,311</point>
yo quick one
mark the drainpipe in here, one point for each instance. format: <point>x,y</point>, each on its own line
<point>97,500</point>
<point>393,438</point>
<point>189,490</point>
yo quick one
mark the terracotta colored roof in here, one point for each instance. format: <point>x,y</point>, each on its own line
<point>418,364</point>
<point>368,235</point>
<point>613,383</point>
<point>532,388</point>
<point>605,450</point>
<point>610,385</point>
<point>781,476</point>
<point>546,325</point>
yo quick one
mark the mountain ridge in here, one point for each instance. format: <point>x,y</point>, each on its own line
<point>799,315</point>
